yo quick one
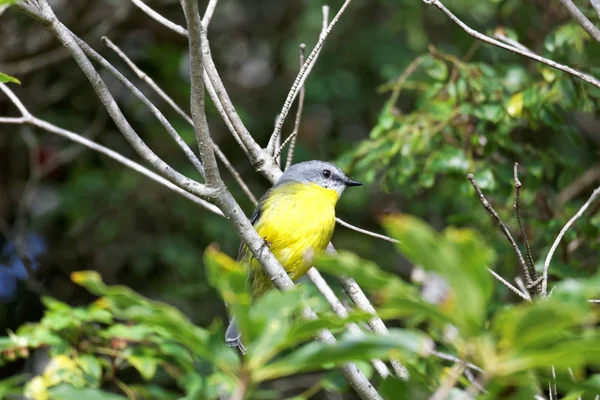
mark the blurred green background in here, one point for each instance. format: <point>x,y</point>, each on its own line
<point>466,107</point>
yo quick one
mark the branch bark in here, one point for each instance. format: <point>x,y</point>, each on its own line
<point>480,36</point>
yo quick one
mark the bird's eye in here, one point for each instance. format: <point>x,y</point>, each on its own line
<point>326,174</point>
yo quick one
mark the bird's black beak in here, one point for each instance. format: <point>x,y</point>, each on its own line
<point>350,182</point>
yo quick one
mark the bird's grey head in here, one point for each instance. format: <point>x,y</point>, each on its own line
<point>321,173</point>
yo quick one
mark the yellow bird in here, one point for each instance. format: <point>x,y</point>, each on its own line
<point>296,219</point>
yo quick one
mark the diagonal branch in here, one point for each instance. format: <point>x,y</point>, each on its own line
<point>562,232</point>
<point>154,86</point>
<point>488,207</point>
<point>337,306</point>
<point>596,5</point>
<point>301,77</point>
<point>480,36</point>
<point>27,118</point>
<point>46,15</point>
<point>585,23</point>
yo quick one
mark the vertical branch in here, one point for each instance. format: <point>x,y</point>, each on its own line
<point>205,148</point>
<point>529,257</point>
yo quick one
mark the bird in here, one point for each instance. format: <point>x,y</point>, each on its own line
<point>296,219</point>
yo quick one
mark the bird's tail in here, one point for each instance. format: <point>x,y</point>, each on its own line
<point>233,337</point>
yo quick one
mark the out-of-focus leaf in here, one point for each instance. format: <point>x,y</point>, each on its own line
<point>68,392</point>
<point>146,366</point>
<point>350,347</point>
<point>459,256</point>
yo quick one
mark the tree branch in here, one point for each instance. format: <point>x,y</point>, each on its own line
<point>205,147</point>
<point>488,207</point>
<point>46,15</point>
<point>154,86</point>
<point>27,118</point>
<point>562,232</point>
<point>596,5</point>
<point>480,36</point>
<point>585,23</point>
<point>529,257</point>
<point>337,306</point>
<point>301,77</point>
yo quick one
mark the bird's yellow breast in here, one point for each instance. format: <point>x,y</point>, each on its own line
<point>296,221</point>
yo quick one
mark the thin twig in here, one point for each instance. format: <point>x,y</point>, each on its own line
<point>560,236</point>
<point>210,9</point>
<point>154,86</point>
<point>366,232</point>
<point>522,286</point>
<point>162,20</point>
<point>480,36</point>
<point>450,357</point>
<point>585,23</point>
<point>291,139</point>
<point>46,14</point>
<point>301,77</point>
<point>530,264</point>
<point>27,118</point>
<point>488,207</point>
<point>522,295</point>
<point>500,35</point>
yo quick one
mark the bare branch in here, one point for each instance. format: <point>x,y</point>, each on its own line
<point>522,286</point>
<point>488,207</point>
<point>235,174</point>
<point>65,36</point>
<point>72,136</point>
<point>205,145</point>
<point>301,77</point>
<point>529,257</point>
<point>366,232</point>
<point>522,295</point>
<point>294,135</point>
<point>450,357</point>
<point>140,96</point>
<point>480,36</point>
<point>585,23</point>
<point>596,5</point>
<point>562,232</point>
<point>159,18</point>
<point>210,9</point>
<point>500,35</point>
<point>336,305</point>
<point>154,86</point>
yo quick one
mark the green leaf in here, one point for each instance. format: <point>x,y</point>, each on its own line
<point>3,77</point>
<point>146,366</point>
<point>68,392</point>
<point>459,256</point>
<point>91,368</point>
<point>448,160</point>
<point>397,344</point>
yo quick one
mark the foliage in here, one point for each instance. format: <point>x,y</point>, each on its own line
<point>123,344</point>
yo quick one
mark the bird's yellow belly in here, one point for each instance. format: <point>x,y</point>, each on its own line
<point>295,226</point>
